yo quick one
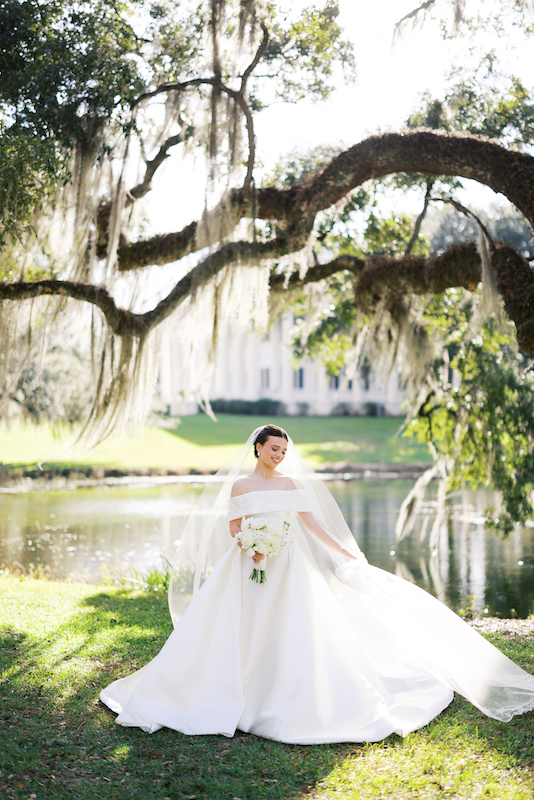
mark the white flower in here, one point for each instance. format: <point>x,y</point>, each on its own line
<point>267,538</point>
<point>273,528</point>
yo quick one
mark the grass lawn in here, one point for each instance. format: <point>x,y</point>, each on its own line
<point>62,642</point>
<point>197,442</point>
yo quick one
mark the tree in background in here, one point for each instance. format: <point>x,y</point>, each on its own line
<point>469,385</point>
<point>95,99</point>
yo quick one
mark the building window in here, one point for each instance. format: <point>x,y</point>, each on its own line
<point>333,383</point>
<point>264,378</point>
<point>349,385</point>
<point>298,378</point>
<point>365,373</point>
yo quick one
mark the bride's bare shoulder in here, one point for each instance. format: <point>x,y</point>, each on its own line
<point>242,486</point>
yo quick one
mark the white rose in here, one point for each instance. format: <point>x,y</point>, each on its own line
<point>273,527</point>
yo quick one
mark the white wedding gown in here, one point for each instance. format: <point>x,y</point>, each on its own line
<point>283,660</point>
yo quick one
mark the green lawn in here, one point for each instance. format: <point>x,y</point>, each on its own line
<point>61,642</point>
<point>198,442</point>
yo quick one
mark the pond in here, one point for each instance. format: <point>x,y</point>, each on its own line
<point>86,532</point>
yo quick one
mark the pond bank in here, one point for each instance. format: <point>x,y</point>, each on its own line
<point>130,527</point>
<point>511,628</point>
<point>19,479</point>
<point>508,627</point>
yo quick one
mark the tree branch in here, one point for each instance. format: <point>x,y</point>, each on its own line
<point>459,266</point>
<point>245,107</point>
<point>515,282</point>
<point>279,282</point>
<point>377,277</point>
<point>506,171</point>
<point>249,122</point>
<point>412,15</point>
<point>256,60</point>
<point>124,322</point>
<point>428,152</point>
<point>238,96</point>
<point>158,250</point>
<point>420,218</point>
<point>151,166</point>
<point>138,191</point>
<point>118,319</point>
<point>468,213</point>
<point>271,203</point>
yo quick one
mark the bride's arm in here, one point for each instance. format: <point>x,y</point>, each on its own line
<point>235,527</point>
<point>319,532</point>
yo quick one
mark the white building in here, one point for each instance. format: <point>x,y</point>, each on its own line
<point>251,368</point>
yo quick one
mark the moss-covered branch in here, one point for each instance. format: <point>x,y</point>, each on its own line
<point>376,278</point>
<point>428,152</point>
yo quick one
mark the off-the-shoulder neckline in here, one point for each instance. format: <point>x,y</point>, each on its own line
<point>264,491</point>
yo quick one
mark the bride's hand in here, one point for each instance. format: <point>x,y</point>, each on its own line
<point>257,557</point>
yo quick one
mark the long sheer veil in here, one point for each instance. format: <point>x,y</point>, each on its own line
<point>206,536</point>
<point>398,624</point>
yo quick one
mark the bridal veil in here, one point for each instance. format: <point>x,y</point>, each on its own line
<point>401,626</point>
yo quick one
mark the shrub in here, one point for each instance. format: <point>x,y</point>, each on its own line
<point>264,406</point>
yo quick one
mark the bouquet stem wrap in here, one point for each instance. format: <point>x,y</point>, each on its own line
<point>258,573</point>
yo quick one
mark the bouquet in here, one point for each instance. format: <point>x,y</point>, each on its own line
<point>267,538</point>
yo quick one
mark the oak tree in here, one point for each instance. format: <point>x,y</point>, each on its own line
<point>96,97</point>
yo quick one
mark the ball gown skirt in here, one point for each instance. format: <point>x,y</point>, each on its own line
<point>282,660</point>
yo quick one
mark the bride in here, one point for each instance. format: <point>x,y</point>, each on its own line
<point>326,649</point>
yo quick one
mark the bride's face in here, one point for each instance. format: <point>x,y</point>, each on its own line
<point>273,452</point>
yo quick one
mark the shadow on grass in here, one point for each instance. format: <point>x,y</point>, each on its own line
<point>61,742</point>
<point>10,642</point>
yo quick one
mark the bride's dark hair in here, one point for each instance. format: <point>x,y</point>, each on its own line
<point>269,430</point>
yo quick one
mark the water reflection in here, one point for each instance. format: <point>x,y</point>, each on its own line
<point>472,567</point>
<point>77,532</point>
